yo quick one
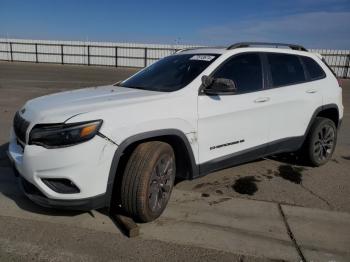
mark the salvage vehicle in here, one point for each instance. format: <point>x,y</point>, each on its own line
<point>191,113</point>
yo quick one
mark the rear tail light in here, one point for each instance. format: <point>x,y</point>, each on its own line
<point>339,81</point>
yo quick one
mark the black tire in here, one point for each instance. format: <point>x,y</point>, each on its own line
<point>320,142</point>
<point>148,181</point>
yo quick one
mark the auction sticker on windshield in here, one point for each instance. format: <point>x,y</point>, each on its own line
<point>202,57</point>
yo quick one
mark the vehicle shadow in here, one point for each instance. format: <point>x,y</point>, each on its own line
<point>9,187</point>
<point>289,158</point>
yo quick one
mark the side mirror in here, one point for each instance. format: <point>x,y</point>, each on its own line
<point>218,86</point>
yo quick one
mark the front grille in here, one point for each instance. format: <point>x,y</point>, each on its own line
<point>20,126</point>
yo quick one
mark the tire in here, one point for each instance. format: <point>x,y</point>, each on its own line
<point>320,142</point>
<point>148,181</point>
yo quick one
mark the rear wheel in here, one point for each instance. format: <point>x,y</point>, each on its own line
<point>320,143</point>
<point>148,180</point>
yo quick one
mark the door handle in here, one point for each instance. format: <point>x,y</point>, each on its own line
<point>261,99</point>
<point>311,91</point>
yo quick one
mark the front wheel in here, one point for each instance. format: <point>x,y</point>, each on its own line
<point>148,180</point>
<point>320,143</point>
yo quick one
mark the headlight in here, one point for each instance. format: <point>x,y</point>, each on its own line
<point>61,135</point>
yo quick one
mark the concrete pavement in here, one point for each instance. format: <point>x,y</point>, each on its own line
<point>232,226</point>
<point>267,209</point>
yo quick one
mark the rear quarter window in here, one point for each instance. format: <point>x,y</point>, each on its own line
<point>313,68</point>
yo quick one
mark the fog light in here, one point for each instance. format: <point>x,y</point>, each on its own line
<point>61,185</point>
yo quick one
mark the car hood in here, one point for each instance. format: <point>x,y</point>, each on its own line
<point>60,107</point>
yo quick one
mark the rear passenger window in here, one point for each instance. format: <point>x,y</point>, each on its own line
<point>285,69</point>
<point>314,70</point>
<point>245,70</point>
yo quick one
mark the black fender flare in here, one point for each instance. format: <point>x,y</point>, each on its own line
<point>316,112</point>
<point>142,137</point>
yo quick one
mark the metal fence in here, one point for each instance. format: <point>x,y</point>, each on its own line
<point>121,54</point>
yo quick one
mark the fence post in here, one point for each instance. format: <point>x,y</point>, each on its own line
<point>11,57</point>
<point>36,53</point>
<point>62,55</point>
<point>116,56</point>
<point>145,56</point>
<point>88,55</point>
<point>347,65</point>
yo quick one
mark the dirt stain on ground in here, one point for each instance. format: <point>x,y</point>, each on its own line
<point>290,173</point>
<point>201,185</point>
<point>246,185</point>
<point>224,199</point>
<point>205,195</point>
<point>346,157</point>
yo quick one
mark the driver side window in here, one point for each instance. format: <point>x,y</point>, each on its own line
<point>245,70</point>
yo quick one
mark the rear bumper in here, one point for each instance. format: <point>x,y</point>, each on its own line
<point>339,123</point>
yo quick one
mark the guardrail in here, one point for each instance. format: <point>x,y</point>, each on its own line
<point>122,55</point>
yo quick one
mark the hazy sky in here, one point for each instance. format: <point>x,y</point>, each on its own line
<point>322,23</point>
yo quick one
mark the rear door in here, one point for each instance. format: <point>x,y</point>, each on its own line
<point>294,96</point>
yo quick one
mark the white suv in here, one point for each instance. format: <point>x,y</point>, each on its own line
<point>187,115</point>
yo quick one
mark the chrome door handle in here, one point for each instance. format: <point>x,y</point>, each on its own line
<point>261,99</point>
<point>311,91</point>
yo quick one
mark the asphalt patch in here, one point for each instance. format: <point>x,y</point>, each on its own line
<point>246,185</point>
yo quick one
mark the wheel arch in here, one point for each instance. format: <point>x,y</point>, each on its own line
<point>330,111</point>
<point>185,162</point>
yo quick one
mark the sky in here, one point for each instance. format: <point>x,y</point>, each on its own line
<point>312,23</point>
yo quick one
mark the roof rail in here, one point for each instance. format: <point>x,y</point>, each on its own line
<point>194,48</point>
<point>184,49</point>
<point>247,44</point>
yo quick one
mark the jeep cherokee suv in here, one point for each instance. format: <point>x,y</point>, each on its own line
<point>189,114</point>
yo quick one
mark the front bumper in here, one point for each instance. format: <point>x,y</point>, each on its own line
<point>39,198</point>
<point>87,165</point>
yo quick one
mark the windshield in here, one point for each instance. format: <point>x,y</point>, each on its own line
<point>170,73</point>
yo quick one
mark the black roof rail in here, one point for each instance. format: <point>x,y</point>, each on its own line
<point>247,44</point>
<point>198,47</point>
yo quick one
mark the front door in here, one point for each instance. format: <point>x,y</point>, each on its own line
<point>230,125</point>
